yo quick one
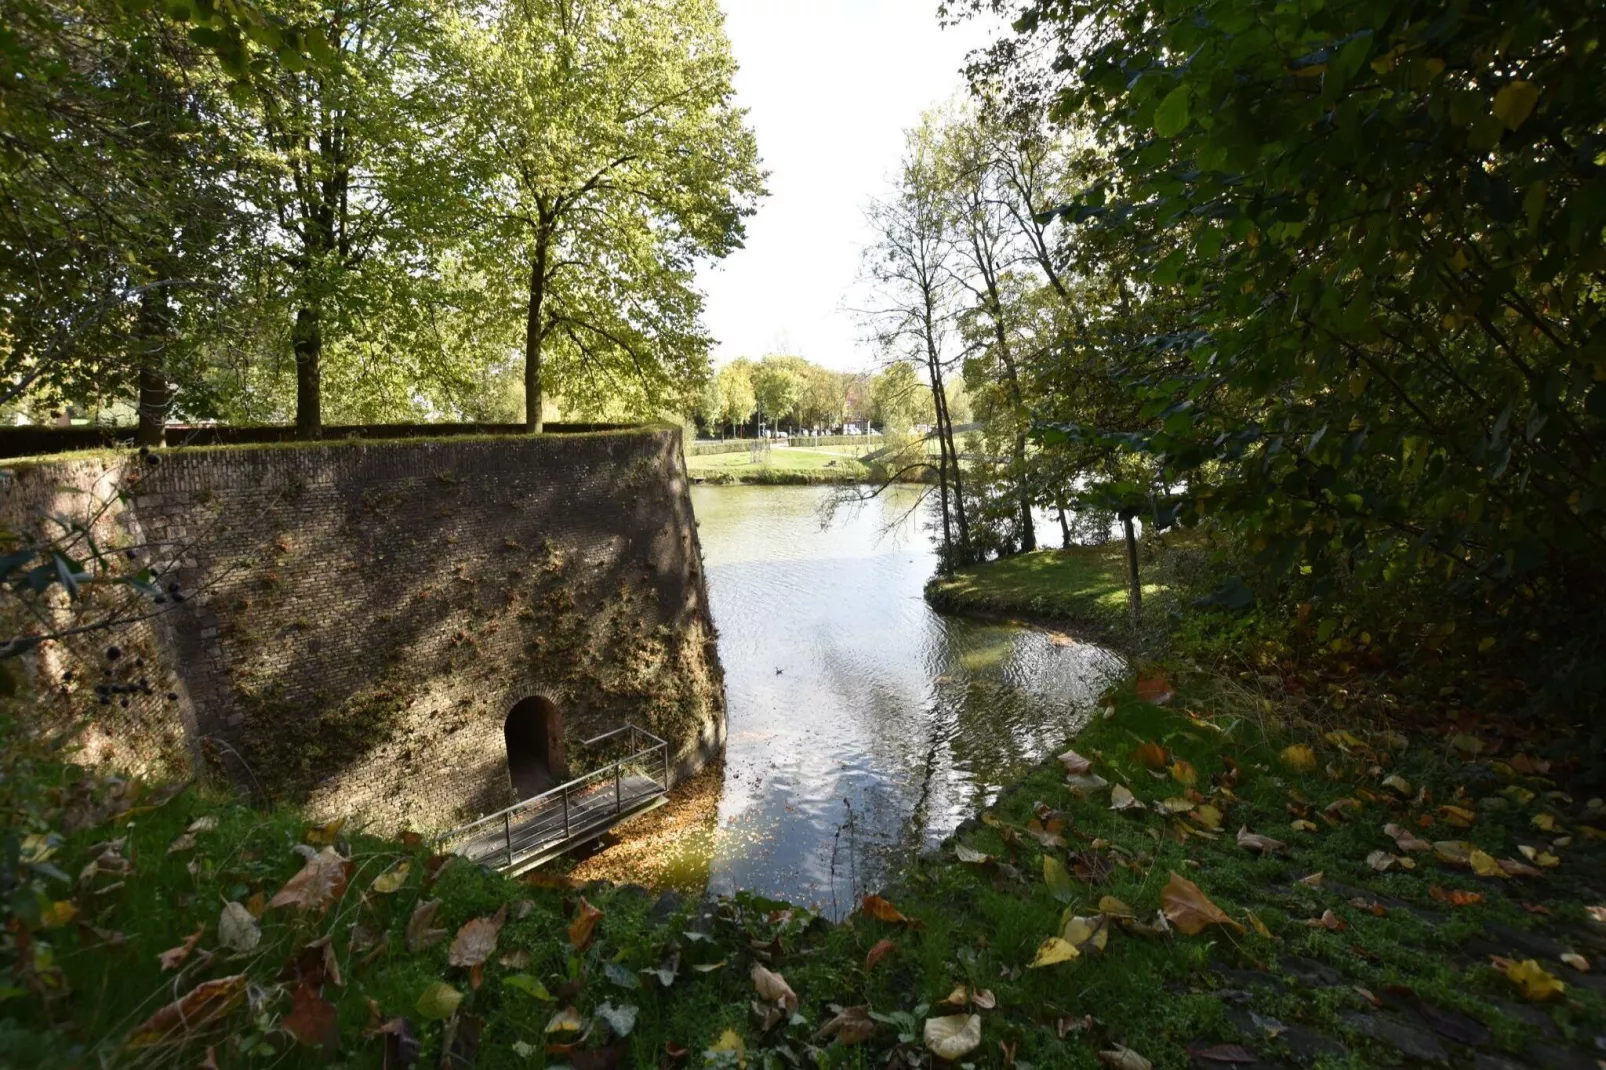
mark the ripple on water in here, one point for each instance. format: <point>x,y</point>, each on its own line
<point>863,726</point>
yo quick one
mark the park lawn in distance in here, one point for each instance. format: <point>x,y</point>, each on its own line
<point>813,465</point>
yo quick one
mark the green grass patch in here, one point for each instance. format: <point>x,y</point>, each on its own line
<point>784,465</point>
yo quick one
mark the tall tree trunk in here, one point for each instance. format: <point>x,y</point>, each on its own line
<point>308,342</point>
<point>1065,527</point>
<point>945,434</point>
<point>1134,587</point>
<point>155,327</point>
<point>532,338</point>
<point>1028,531</point>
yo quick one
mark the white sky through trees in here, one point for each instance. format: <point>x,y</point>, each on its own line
<point>831,85</point>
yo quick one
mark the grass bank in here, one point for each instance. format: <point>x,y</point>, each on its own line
<point>1387,898</point>
<point>787,465</point>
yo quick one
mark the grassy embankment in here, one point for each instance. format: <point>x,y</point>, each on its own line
<point>786,464</point>
<point>1344,946</point>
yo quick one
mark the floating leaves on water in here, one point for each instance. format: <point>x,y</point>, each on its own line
<point>197,1009</point>
<point>1051,952</point>
<point>390,881</point>
<point>851,1026</point>
<point>772,988</point>
<point>1300,758</point>
<point>321,881</point>
<point>1189,909</point>
<point>583,928</point>
<point>953,1037</point>
<point>476,940</point>
<point>1254,841</point>
<point>421,931</point>
<point>237,930</point>
<point>1532,980</point>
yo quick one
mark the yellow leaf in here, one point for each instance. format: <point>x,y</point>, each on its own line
<point>1398,784</point>
<point>1079,932</point>
<point>392,879</point>
<point>1533,980</point>
<point>1056,877</point>
<point>567,1020</point>
<point>954,1036</point>
<point>1300,758</point>
<point>1184,773</point>
<point>1515,102</point>
<point>1303,826</point>
<point>1484,865</point>
<point>730,1043</point>
<point>1544,822</point>
<point>1054,950</point>
<point>57,914</point>
<point>1113,907</point>
<point>1455,852</point>
<point>1258,925</point>
<point>1209,816</point>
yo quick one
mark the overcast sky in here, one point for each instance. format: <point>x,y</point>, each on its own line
<point>831,85</point>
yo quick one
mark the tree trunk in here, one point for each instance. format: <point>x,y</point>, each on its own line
<point>308,341</point>
<point>1028,531</point>
<point>1065,528</point>
<point>154,337</point>
<point>1134,587</point>
<point>532,339</point>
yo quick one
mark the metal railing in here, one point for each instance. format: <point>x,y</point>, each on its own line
<point>573,810</point>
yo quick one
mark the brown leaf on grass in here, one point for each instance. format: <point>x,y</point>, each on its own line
<point>1455,897</point>
<point>1046,833</point>
<point>881,950</point>
<point>1314,880</point>
<point>321,881</point>
<point>1453,852</point>
<point>1405,839</point>
<point>1329,921</point>
<point>1575,960</point>
<point>1150,756</point>
<point>1121,798</point>
<point>1510,867</point>
<point>1225,1055</point>
<point>1188,908</point>
<point>1155,689</point>
<point>1382,861</point>
<point>851,1026</point>
<point>312,1020</point>
<point>174,957</point>
<point>202,1006</point>
<point>319,835</point>
<point>583,928</point>
<point>772,988</point>
<point>881,910</point>
<point>1074,763</point>
<point>421,931</point>
<point>1122,1058</point>
<point>475,942</point>
<point>1254,841</point>
<point>1458,816</point>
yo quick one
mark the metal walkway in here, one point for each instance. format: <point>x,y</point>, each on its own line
<point>544,826</point>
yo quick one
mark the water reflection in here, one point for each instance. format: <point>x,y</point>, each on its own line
<point>863,727</point>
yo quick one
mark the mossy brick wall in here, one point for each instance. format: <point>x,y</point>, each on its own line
<point>353,621</point>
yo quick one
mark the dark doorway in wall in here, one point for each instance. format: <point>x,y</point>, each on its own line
<point>534,736</point>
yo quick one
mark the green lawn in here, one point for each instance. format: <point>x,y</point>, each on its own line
<point>1085,584</point>
<point>824,464</point>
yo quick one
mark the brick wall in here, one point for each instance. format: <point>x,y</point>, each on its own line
<point>352,622</point>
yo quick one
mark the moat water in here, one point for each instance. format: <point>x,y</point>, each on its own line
<point>863,727</point>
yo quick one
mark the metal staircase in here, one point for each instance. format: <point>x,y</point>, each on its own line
<point>544,826</point>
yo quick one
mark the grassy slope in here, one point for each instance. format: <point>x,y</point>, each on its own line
<point>978,924</point>
<point>1083,585</point>
<point>822,465</point>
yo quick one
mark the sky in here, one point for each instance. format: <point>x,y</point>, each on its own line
<point>830,86</point>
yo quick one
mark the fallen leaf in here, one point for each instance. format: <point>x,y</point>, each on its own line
<point>1053,951</point>
<point>185,842</point>
<point>1057,878</point>
<point>1458,816</point>
<point>1544,822</point>
<point>392,879</point>
<point>1121,798</point>
<point>312,1020</point>
<point>772,988</point>
<point>321,881</point>
<point>1453,852</point>
<point>1258,925</point>
<point>1303,825</point>
<point>1455,897</point>
<point>1186,907</point>
<point>1120,1058</point>
<point>1484,865</point>
<point>318,835</point>
<point>881,950</point>
<point>851,1026</point>
<point>530,986</point>
<point>1150,756</point>
<point>421,932</point>
<point>174,957</point>
<point>1253,841</point>
<point>476,940</point>
<point>1112,907</point>
<point>237,930</point>
<point>1532,980</point>
<point>1405,839</point>
<point>1398,784</point>
<point>1225,1055</point>
<point>1086,784</point>
<point>567,1020</point>
<point>583,928</point>
<point>58,913</point>
<point>1209,816</point>
<point>1329,921</point>
<point>881,910</point>
<point>202,1006</point>
<point>729,1043</point>
<point>971,856</point>
<point>1368,996</point>
<point>1074,763</point>
<point>620,1019</point>
<point>1155,689</point>
<point>1542,857</point>
<point>1300,758</point>
<point>1314,880</point>
<point>1576,961</point>
<point>953,1037</point>
<point>1184,773</point>
<point>1510,867</point>
<point>1082,932</point>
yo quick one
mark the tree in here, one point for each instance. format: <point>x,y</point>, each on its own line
<point>898,398</point>
<point>778,384</point>
<point>611,159</point>
<point>736,397</point>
